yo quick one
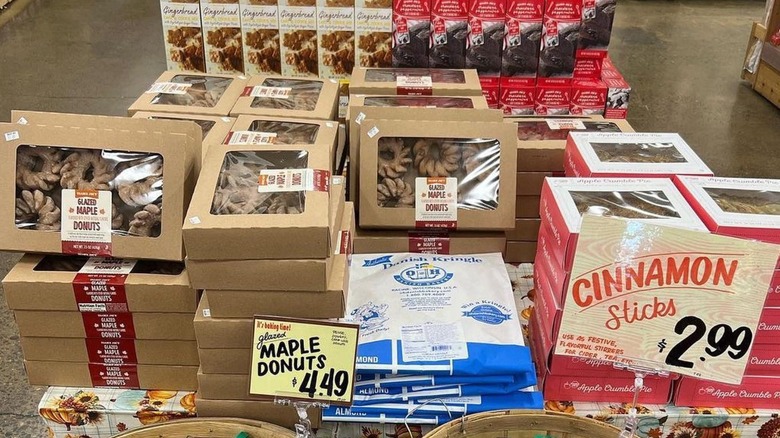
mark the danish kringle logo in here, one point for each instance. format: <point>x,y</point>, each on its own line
<point>384,260</point>
<point>423,274</point>
<point>487,313</point>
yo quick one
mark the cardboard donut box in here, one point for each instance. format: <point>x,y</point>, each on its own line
<point>206,94</point>
<point>177,143</point>
<point>294,95</point>
<point>414,81</point>
<point>430,242</point>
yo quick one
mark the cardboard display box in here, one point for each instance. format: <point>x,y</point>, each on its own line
<point>489,165</point>
<point>161,377</point>
<point>155,155</point>
<point>215,128</point>
<point>452,109</point>
<point>220,333</point>
<point>53,283</point>
<point>520,252</point>
<point>527,207</point>
<point>414,81</point>
<point>300,98</point>
<point>115,352</point>
<point>226,360</point>
<point>638,155</point>
<point>191,93</point>
<point>653,200</point>
<point>739,207</point>
<point>525,230</point>
<point>541,141</point>
<point>42,324</point>
<point>275,130</point>
<point>270,412</point>
<point>430,242</point>
<point>260,225</point>
<point>225,387</point>
<point>530,183</point>
<point>752,393</point>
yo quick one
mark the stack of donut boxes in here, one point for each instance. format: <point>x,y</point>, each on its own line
<point>268,229</point>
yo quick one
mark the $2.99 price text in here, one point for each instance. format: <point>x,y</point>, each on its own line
<point>720,338</point>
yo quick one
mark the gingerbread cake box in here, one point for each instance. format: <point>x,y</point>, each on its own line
<point>336,37</point>
<point>221,22</point>
<point>183,35</point>
<point>300,48</point>
<point>432,174</point>
<point>631,155</point>
<point>191,93</point>
<point>261,41</point>
<point>96,185</point>
<point>276,96</point>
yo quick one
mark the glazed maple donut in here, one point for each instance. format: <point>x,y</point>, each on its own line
<point>38,168</point>
<point>435,157</point>
<point>394,193</point>
<point>137,193</point>
<point>36,207</point>
<point>86,169</point>
<point>144,221</point>
<point>394,157</point>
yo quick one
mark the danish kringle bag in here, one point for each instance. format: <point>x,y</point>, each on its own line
<point>435,314</point>
<point>402,380</point>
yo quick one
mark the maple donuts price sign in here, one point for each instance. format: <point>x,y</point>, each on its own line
<point>683,301</point>
<point>298,359</point>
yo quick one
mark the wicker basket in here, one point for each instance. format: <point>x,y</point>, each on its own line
<point>209,428</point>
<point>524,424</point>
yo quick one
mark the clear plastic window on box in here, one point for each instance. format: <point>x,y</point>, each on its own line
<point>653,204</point>
<point>745,201</point>
<point>287,132</point>
<point>135,180</point>
<point>540,130</point>
<point>303,95</point>
<point>204,92</point>
<point>638,152</point>
<point>75,263</point>
<point>418,101</point>
<point>437,76</point>
<point>474,162</point>
<point>237,186</point>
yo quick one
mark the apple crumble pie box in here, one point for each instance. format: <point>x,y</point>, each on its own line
<point>215,128</point>
<point>739,207</point>
<point>415,81</point>
<point>256,202</point>
<point>753,393</point>
<point>454,175</point>
<point>81,284</point>
<point>191,93</point>
<point>277,96</point>
<point>98,375</point>
<point>96,185</point>
<point>637,155</point>
<point>651,200</point>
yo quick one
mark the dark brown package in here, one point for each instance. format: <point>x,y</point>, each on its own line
<point>300,98</point>
<point>191,93</point>
<point>269,412</point>
<point>527,207</point>
<point>526,230</point>
<point>397,155</point>
<point>215,128</point>
<point>220,333</point>
<point>160,377</point>
<point>240,211</point>
<point>430,242</point>
<point>414,81</point>
<point>143,351</point>
<point>39,282</point>
<point>42,324</point>
<point>411,32</point>
<point>520,252</point>
<point>111,163</point>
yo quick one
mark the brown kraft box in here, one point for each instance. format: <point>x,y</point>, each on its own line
<point>362,107</point>
<point>219,333</point>
<point>144,351</point>
<point>489,166</point>
<point>43,324</point>
<point>278,96</point>
<point>221,20</point>
<point>225,360</point>
<point>520,252</point>
<point>191,93</point>
<point>413,81</point>
<point>541,140</point>
<point>267,225</point>
<point>270,412</point>
<point>530,183</point>
<point>225,387</point>
<point>458,242</point>
<point>279,130</point>
<point>162,377</point>
<point>527,206</point>
<point>525,230</point>
<point>74,140</point>
<point>39,282</point>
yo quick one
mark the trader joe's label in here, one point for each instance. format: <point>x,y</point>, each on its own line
<point>86,222</point>
<point>303,360</point>
<point>683,301</point>
<point>99,286</point>
<point>436,203</point>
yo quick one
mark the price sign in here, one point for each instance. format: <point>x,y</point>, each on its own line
<point>677,300</point>
<point>300,359</point>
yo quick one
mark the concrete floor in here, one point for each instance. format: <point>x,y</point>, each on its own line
<point>683,59</point>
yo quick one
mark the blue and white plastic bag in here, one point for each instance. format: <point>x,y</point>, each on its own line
<point>436,314</point>
<point>406,380</point>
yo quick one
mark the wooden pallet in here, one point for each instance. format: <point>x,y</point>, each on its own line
<point>767,83</point>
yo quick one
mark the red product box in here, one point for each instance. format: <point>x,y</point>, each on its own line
<point>588,68</point>
<point>733,206</point>
<point>564,199</point>
<point>754,392</point>
<point>596,27</point>
<point>490,90</point>
<point>486,38</point>
<point>608,64</point>
<point>548,307</point>
<point>632,155</point>
<point>411,31</point>
<point>768,332</point>
<point>557,277</point>
<point>773,296</point>
<point>552,99</point>
<point>618,94</point>
<point>522,40</point>
<point>517,100</point>
<point>764,361</point>
<point>560,39</point>
<point>610,74</point>
<point>588,97</point>
<point>449,31</point>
